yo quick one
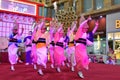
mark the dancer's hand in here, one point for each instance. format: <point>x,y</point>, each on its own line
<point>89,18</point>
<point>75,22</point>
<point>97,23</point>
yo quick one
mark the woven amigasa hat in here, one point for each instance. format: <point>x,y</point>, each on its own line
<point>82,19</point>
<point>15,25</point>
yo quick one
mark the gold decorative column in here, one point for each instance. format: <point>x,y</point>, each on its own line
<point>66,17</point>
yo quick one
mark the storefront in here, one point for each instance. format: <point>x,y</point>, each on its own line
<point>113,33</point>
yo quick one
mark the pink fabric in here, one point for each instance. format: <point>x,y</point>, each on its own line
<point>71,55</point>
<point>42,56</point>
<point>56,38</point>
<point>33,53</point>
<point>58,51</point>
<point>81,56</point>
<point>12,53</point>
<point>51,50</point>
<point>80,49</point>
<point>59,55</point>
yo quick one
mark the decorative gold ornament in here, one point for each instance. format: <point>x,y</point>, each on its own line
<point>66,17</point>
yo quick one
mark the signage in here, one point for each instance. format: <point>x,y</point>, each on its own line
<point>17,6</point>
<point>117,24</point>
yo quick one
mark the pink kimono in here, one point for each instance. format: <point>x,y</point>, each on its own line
<point>33,49</point>
<point>71,47</point>
<point>13,48</point>
<point>80,48</point>
<point>59,49</point>
<point>41,49</point>
<point>51,47</point>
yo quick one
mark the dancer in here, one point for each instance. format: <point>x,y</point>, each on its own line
<point>28,45</point>
<point>33,50</point>
<point>41,38</point>
<point>80,48</point>
<point>52,43</point>
<point>71,48</point>
<point>14,39</point>
<point>59,47</point>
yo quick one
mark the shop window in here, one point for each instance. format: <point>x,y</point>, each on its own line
<point>116,2</point>
<point>61,6</point>
<point>117,35</point>
<point>87,5</point>
<point>47,1</point>
<point>110,44</point>
<point>110,36</point>
<point>74,4</point>
<point>98,4</point>
<point>40,11</point>
<point>45,12</point>
<point>53,13</point>
<point>117,44</point>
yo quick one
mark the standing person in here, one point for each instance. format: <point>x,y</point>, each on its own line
<point>41,46</point>
<point>52,43</point>
<point>28,45</point>
<point>33,50</point>
<point>81,56</point>
<point>59,48</point>
<point>14,39</point>
<point>66,41</point>
<point>111,57</point>
<point>71,46</point>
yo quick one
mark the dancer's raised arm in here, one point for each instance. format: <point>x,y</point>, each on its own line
<point>73,26</point>
<point>83,24</point>
<point>96,27</point>
<point>41,24</point>
<point>60,27</point>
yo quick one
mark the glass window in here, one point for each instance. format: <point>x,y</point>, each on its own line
<point>47,1</point>
<point>61,6</point>
<point>98,4</point>
<point>45,12</point>
<point>116,1</point>
<point>74,4</point>
<point>117,35</point>
<point>87,5</point>
<point>110,36</point>
<point>53,13</point>
<point>40,11</point>
<point>117,44</point>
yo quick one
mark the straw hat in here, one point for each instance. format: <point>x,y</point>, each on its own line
<point>15,25</point>
<point>82,19</point>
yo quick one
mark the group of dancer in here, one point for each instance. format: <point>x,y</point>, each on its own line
<point>69,49</point>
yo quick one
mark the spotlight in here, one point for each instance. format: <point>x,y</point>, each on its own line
<point>101,16</point>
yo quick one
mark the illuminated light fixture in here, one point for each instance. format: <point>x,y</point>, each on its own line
<point>48,56</point>
<point>98,42</point>
<point>101,16</point>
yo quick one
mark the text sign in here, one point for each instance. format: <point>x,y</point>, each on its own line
<point>17,6</point>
